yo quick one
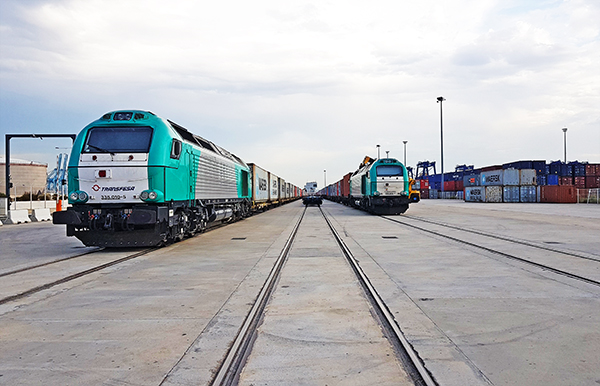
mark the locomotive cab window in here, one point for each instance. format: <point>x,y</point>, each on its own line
<point>389,170</point>
<point>118,140</point>
<point>176,149</point>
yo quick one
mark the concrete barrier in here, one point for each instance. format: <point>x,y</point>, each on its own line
<point>17,217</point>
<point>1,223</point>
<point>41,215</point>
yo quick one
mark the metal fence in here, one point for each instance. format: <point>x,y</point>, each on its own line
<point>588,196</point>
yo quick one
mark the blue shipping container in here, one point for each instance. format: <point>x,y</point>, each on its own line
<point>552,179</point>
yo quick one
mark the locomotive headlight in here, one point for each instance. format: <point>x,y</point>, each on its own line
<point>78,197</point>
<point>151,195</point>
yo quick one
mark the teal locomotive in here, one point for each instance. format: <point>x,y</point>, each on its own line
<point>136,179</point>
<point>379,186</point>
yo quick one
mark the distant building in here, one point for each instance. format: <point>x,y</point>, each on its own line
<point>310,187</point>
<point>25,176</point>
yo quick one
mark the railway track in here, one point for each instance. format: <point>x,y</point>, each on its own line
<point>234,362</point>
<point>86,269</point>
<point>565,263</point>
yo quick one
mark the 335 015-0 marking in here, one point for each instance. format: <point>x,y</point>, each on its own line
<point>113,197</point>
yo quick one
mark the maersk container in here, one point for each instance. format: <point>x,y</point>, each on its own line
<point>528,177</point>
<point>475,193</point>
<point>528,193</point>
<point>472,180</point>
<point>492,178</point>
<point>493,194</point>
<point>510,193</point>
<point>260,183</point>
<point>511,177</point>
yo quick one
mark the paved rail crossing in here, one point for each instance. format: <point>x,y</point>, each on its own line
<point>454,276</point>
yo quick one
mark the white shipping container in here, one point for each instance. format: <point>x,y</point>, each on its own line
<point>282,189</point>
<point>493,194</point>
<point>511,177</point>
<point>528,177</point>
<point>492,178</point>
<point>475,193</point>
<point>273,187</point>
<point>260,183</point>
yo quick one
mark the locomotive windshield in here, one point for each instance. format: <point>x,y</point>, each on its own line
<point>118,140</point>
<point>389,170</point>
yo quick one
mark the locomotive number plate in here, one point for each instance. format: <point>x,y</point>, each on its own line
<point>113,197</point>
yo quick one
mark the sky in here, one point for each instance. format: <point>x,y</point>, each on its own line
<point>302,87</point>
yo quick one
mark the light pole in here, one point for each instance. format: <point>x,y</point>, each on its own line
<point>325,178</point>
<point>378,156</point>
<point>404,142</point>
<point>440,100</point>
<point>387,154</point>
<point>565,141</point>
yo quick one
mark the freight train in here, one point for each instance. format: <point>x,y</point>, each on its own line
<point>378,186</point>
<point>136,179</point>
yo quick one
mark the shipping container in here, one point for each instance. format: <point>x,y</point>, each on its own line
<point>565,180</point>
<point>579,182</point>
<point>490,168</point>
<point>475,193</point>
<point>346,185</point>
<point>541,179</point>
<point>472,180</point>
<point>273,187</point>
<point>578,168</point>
<point>540,167</point>
<point>260,183</point>
<point>493,194</point>
<point>592,170</point>
<point>527,177</point>
<point>552,179</point>
<point>492,178</point>
<point>510,193</point>
<point>528,193</point>
<point>592,182</point>
<point>424,184</point>
<point>434,194</point>
<point>424,193</point>
<point>511,177</point>
<point>460,186</point>
<point>558,194</point>
<point>450,186</point>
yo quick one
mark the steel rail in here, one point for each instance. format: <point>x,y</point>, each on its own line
<point>423,375</point>
<point>503,254</point>
<point>49,263</point>
<point>230,368</point>
<point>73,276</point>
<point>498,237</point>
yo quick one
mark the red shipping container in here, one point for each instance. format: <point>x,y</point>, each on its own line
<point>592,182</point>
<point>592,170</point>
<point>565,180</point>
<point>579,182</point>
<point>346,185</point>
<point>460,185</point>
<point>424,184</point>
<point>450,186</point>
<point>560,194</point>
<point>424,193</point>
<point>491,168</point>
